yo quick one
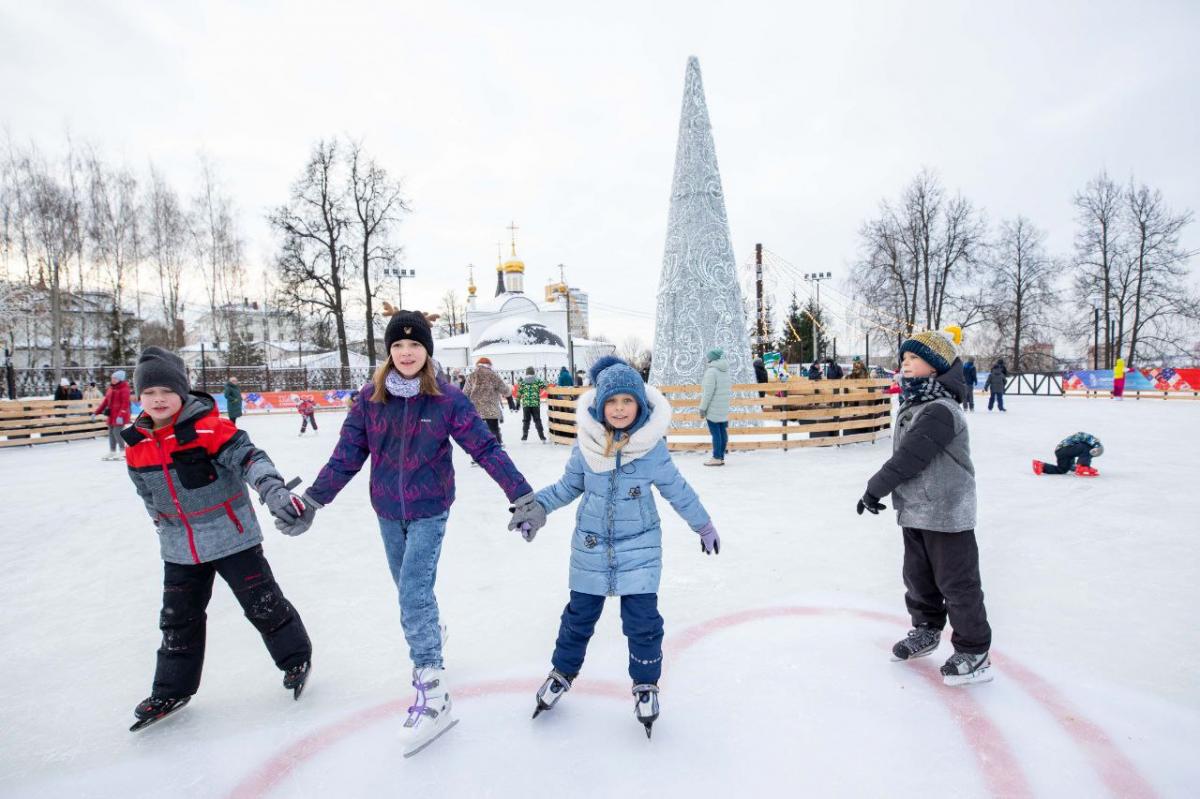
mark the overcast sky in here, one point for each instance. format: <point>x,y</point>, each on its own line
<point>564,116</point>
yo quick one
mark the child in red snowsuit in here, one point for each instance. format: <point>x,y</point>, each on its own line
<point>308,410</point>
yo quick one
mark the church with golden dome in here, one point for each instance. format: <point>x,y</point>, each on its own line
<point>515,331</point>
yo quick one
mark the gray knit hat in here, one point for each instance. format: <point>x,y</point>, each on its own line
<point>158,367</point>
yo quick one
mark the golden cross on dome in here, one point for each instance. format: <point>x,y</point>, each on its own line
<point>499,255</point>
<point>512,229</point>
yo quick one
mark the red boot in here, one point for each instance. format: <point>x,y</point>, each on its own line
<point>1086,471</point>
<point>1037,467</point>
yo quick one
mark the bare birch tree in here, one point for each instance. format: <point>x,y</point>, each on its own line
<point>1099,250</point>
<point>313,261</point>
<point>1020,286</point>
<point>112,233</point>
<point>167,233</point>
<point>1157,268</point>
<point>378,203</point>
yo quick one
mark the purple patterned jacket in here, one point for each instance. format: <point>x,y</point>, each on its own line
<point>409,444</point>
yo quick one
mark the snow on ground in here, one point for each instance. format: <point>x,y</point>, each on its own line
<point>777,676</point>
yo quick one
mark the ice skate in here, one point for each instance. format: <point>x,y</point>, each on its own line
<point>715,462</point>
<point>553,689</point>
<point>646,705</point>
<point>295,678</point>
<point>1085,471</point>
<point>156,708</point>
<point>1037,467</point>
<point>921,640</point>
<point>429,716</point>
<point>963,669</point>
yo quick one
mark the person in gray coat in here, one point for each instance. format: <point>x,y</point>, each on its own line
<point>932,481</point>
<point>716,392</point>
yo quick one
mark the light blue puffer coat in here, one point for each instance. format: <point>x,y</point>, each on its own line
<point>617,545</point>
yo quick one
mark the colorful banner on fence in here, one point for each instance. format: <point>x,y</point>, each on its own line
<point>279,400</point>
<point>288,400</point>
<point>1167,379</point>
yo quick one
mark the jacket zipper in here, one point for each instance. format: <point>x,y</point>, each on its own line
<point>233,516</point>
<point>403,441</point>
<point>162,458</point>
<point>612,509</point>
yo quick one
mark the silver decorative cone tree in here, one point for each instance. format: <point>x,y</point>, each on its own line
<point>699,300</point>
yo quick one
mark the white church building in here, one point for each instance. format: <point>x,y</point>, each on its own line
<point>514,331</point>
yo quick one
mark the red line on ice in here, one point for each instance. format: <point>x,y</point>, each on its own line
<point>994,757</point>
<point>270,774</point>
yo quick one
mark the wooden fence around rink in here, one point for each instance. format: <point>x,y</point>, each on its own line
<point>27,422</point>
<point>798,413</point>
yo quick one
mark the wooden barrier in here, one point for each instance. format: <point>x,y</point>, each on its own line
<point>27,422</point>
<point>798,413</point>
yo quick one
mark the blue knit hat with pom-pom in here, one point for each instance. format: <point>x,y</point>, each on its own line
<point>611,376</point>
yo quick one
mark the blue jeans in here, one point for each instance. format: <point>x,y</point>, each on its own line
<point>640,621</point>
<point>413,548</point>
<point>720,438</point>
<point>996,397</point>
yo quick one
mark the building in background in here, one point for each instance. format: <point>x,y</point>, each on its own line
<point>515,331</point>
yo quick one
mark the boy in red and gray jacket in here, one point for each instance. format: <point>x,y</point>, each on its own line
<point>194,471</point>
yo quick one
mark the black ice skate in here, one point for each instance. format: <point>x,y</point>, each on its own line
<point>156,708</point>
<point>964,668</point>
<point>921,640</point>
<point>553,689</point>
<point>295,678</point>
<point>646,706</point>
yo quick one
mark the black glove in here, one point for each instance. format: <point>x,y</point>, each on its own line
<point>870,503</point>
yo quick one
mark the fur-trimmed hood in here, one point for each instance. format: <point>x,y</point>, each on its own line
<point>590,434</point>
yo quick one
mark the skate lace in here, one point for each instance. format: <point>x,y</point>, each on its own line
<point>920,637</point>
<point>960,659</point>
<point>421,705</point>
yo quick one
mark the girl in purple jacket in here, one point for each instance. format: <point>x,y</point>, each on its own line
<point>404,421</point>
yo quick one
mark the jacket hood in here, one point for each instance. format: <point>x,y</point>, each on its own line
<point>720,363</point>
<point>954,381</point>
<point>590,434</point>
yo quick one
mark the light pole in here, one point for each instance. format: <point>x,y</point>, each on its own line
<point>400,273</point>
<point>570,338</point>
<point>816,278</point>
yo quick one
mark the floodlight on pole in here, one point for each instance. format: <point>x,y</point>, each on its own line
<point>400,273</point>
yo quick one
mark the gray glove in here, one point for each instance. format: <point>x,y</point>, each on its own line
<point>527,515</point>
<point>283,504</point>
<point>303,521</point>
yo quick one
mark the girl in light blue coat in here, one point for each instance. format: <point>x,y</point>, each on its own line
<point>620,452</point>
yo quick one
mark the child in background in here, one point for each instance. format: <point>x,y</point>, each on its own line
<point>1118,389</point>
<point>115,410</point>
<point>619,453</point>
<point>193,470</point>
<point>308,412</point>
<point>1073,454</point>
<point>931,476</point>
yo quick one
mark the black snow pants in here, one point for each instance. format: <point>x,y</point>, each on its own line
<point>941,575</point>
<point>186,591</point>
<point>534,413</point>
<point>1067,457</point>
<point>494,426</point>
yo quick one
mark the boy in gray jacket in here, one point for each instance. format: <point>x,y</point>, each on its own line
<point>932,480</point>
<point>194,471</point>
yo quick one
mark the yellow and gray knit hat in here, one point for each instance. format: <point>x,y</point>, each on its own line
<point>938,348</point>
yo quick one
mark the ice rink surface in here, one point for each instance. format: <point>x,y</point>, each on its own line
<point>777,677</point>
